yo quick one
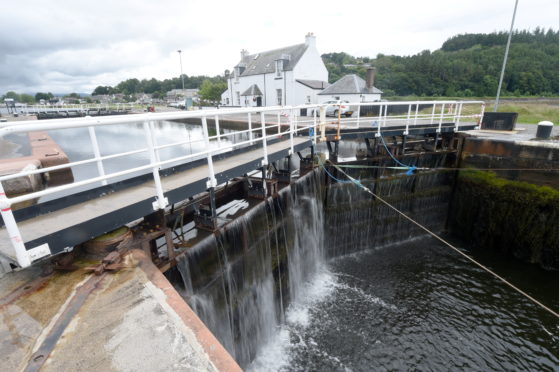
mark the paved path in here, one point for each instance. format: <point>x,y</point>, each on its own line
<point>131,320</point>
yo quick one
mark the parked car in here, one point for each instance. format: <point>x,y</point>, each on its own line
<point>335,106</point>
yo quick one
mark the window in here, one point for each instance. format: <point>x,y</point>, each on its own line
<point>227,101</point>
<point>279,67</point>
<point>308,99</point>
<point>279,97</point>
<point>238,98</point>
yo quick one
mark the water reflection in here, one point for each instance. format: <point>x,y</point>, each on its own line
<point>76,143</point>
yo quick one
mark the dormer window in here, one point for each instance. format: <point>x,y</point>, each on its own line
<point>279,67</point>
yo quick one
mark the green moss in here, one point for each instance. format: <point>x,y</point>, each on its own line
<point>112,234</point>
<point>491,179</point>
<point>513,217</point>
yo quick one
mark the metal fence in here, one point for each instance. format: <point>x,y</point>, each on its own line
<point>259,124</point>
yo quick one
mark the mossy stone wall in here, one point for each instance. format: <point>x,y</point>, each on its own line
<point>513,217</point>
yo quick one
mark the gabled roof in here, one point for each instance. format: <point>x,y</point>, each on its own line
<point>265,62</point>
<point>253,90</point>
<point>349,84</point>
<point>314,84</point>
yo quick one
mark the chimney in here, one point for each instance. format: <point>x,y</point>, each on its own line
<point>244,54</point>
<point>310,39</point>
<point>370,79</point>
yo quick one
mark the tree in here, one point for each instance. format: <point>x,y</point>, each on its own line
<point>13,95</point>
<point>26,98</point>
<point>46,96</point>
<point>102,90</point>
<point>130,86</point>
<point>211,91</point>
<point>466,65</point>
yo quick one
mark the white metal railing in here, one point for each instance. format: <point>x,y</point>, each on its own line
<point>69,107</point>
<point>261,123</point>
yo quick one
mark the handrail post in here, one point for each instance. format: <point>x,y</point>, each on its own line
<point>441,119</point>
<point>358,114</point>
<point>97,153</point>
<point>161,201</point>
<point>315,128</point>
<point>408,120</point>
<point>322,123</point>
<point>433,114</point>
<point>154,138</point>
<point>481,115</point>
<point>212,182</point>
<point>379,120</point>
<point>216,119</point>
<point>339,121</point>
<point>279,123</point>
<point>13,231</point>
<point>250,135</point>
<point>292,125</point>
<point>458,115</point>
<point>264,145</point>
<point>385,115</point>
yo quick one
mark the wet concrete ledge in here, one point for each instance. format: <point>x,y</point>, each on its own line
<point>132,319</point>
<point>45,152</point>
<point>531,161</point>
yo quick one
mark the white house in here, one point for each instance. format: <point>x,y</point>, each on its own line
<point>292,75</point>
<point>352,88</point>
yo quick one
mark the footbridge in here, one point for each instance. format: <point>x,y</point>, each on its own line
<point>257,154</point>
<point>58,111</point>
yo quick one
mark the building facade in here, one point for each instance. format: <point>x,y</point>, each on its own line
<point>352,88</point>
<point>286,76</point>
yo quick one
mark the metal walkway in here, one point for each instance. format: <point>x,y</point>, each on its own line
<point>80,222</point>
<point>49,228</point>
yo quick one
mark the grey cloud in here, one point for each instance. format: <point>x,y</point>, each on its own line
<point>76,45</point>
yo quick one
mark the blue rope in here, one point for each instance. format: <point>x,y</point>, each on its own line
<point>411,168</point>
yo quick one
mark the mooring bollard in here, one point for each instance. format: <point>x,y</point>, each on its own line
<point>544,129</point>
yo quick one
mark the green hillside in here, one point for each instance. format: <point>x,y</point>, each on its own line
<point>465,66</point>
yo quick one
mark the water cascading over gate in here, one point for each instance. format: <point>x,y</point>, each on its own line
<point>241,279</point>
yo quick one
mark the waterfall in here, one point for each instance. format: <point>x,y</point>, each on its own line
<point>355,221</point>
<point>240,280</point>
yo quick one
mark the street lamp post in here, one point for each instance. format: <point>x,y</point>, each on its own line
<point>505,59</point>
<point>182,76</point>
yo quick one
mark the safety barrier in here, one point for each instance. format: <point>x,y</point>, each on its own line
<point>262,125</point>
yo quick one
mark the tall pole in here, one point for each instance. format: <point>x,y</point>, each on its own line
<point>505,59</point>
<point>182,76</point>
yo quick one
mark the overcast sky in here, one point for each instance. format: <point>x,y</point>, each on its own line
<point>73,46</point>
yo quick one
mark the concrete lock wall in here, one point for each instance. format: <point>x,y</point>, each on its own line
<point>513,211</point>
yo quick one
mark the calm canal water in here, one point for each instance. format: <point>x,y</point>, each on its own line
<point>417,306</point>
<point>115,139</point>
